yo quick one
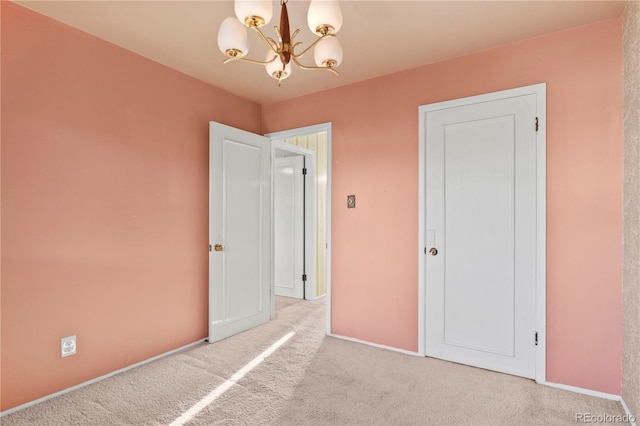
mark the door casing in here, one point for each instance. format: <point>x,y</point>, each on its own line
<point>302,131</point>
<point>540,91</point>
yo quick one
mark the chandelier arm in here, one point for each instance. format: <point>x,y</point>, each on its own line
<point>267,40</point>
<point>299,55</point>
<point>251,61</point>
<point>293,46</point>
<point>304,67</point>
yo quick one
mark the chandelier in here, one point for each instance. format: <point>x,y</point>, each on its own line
<point>324,19</point>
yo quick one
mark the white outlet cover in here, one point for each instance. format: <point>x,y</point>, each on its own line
<point>68,346</point>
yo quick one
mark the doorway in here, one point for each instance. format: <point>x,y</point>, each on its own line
<point>317,138</point>
<point>241,285</point>
<point>482,231</point>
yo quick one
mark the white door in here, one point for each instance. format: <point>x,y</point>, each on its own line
<point>288,221</point>
<point>481,234</point>
<point>239,231</point>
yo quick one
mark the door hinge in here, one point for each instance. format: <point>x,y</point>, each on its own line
<point>537,124</point>
<point>304,277</point>
<point>536,339</point>
<point>304,170</point>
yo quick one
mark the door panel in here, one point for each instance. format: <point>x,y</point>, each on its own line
<point>288,226</point>
<point>481,217</point>
<point>239,274</point>
<point>479,176</point>
<point>243,198</point>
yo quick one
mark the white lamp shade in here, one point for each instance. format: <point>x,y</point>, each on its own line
<point>233,35</point>
<point>324,12</point>
<point>276,66</point>
<point>254,8</point>
<point>328,49</point>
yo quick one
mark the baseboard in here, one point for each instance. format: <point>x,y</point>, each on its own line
<point>375,345</point>
<point>632,419</point>
<point>610,396</point>
<point>98,379</point>
<point>316,297</point>
<point>583,391</point>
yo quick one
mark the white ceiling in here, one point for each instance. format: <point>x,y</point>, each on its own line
<point>378,37</point>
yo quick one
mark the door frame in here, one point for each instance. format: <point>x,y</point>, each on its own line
<point>540,91</point>
<point>309,222</point>
<point>303,131</point>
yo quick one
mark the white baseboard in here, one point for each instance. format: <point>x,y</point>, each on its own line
<point>610,396</point>
<point>375,345</point>
<point>583,391</point>
<point>316,297</point>
<point>632,419</point>
<point>97,379</point>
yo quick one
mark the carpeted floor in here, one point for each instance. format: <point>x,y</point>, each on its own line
<point>311,380</point>
<point>284,302</point>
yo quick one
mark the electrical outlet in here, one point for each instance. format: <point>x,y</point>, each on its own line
<point>68,346</point>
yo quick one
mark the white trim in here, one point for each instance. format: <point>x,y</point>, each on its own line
<point>302,131</point>
<point>583,391</point>
<point>540,91</point>
<point>422,209</point>
<point>328,273</point>
<point>99,379</point>
<point>597,394</point>
<point>375,345</point>
<point>310,225</point>
<point>541,215</point>
<point>632,418</point>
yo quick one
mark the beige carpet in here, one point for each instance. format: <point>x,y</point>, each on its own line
<point>311,380</point>
<point>284,302</point>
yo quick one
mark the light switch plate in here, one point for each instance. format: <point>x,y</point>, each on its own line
<point>351,201</point>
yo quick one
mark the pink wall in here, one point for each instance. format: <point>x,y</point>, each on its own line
<point>104,204</point>
<point>375,156</point>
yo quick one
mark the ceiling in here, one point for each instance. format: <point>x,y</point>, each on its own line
<point>378,37</point>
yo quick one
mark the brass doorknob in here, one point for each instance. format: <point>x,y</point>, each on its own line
<point>218,247</point>
<point>433,251</point>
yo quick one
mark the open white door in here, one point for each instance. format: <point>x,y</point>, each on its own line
<point>288,223</point>
<point>239,231</point>
<point>286,190</point>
